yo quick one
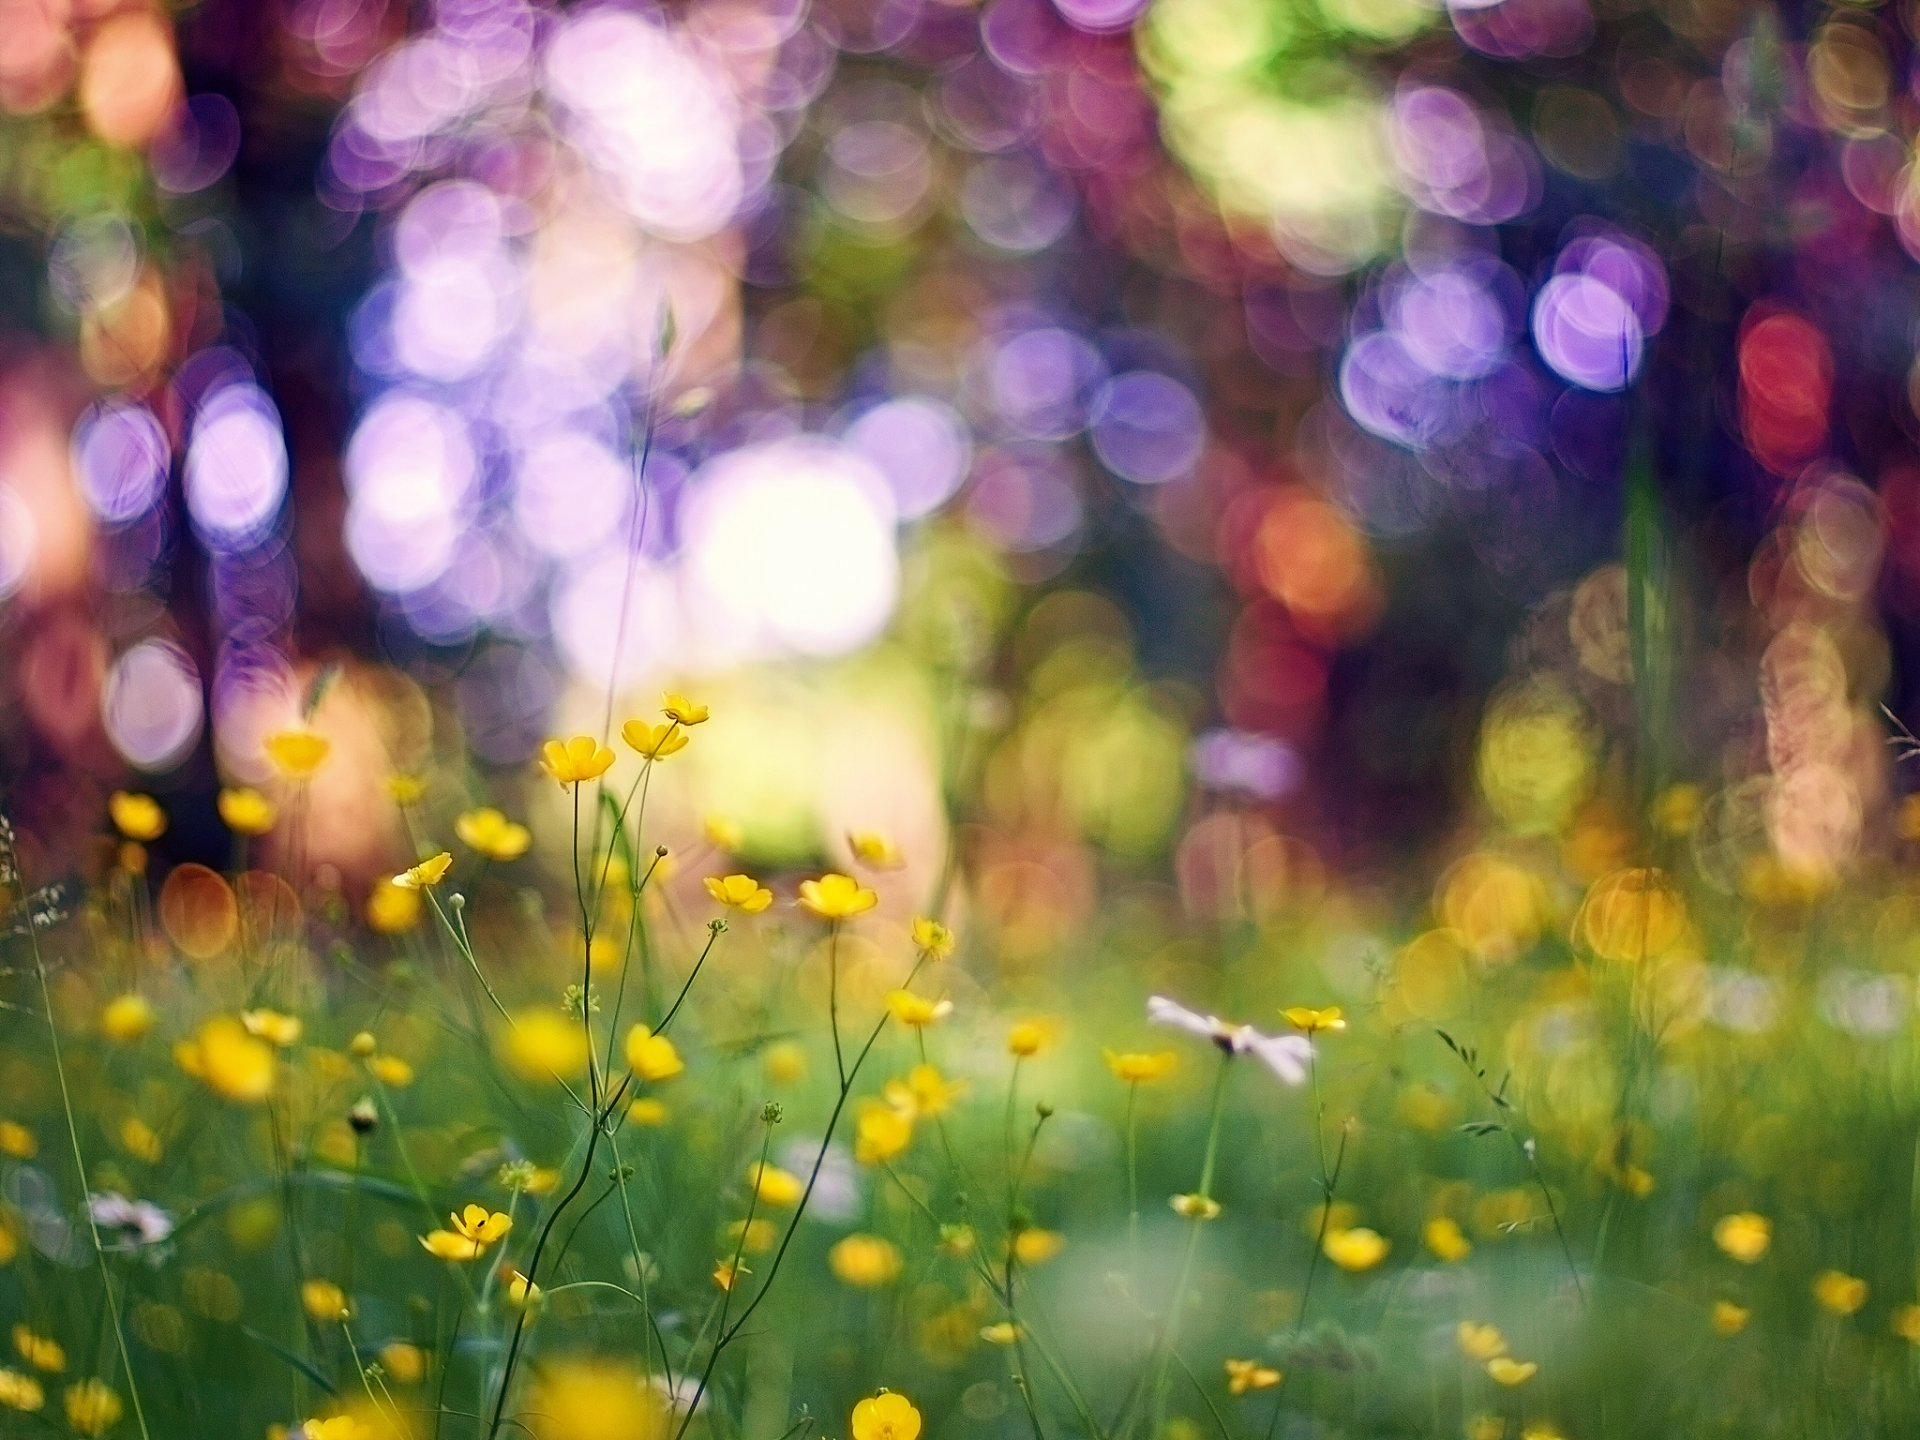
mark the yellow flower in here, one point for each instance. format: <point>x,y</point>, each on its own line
<point>837,897</point>
<point>490,833</point>
<point>1480,1342</point>
<point>1004,1333</point>
<point>1447,1240</point>
<point>481,1225</point>
<point>1731,1319</point>
<point>1906,1323</point>
<point>865,1261</point>
<point>20,1392</point>
<point>17,1140</point>
<point>1485,1427</point>
<point>678,707</point>
<point>232,1062</point>
<point>246,811</point>
<point>141,1141</point>
<point>916,1010</point>
<point>571,761</point>
<point>880,1133</point>
<point>875,851</point>
<point>407,1364</point>
<point>1356,1249</point>
<point>405,790</point>
<point>652,1057</point>
<point>1743,1235</point>
<point>272,1026</point>
<point>521,1291</point>
<point>448,1245</point>
<point>126,1018</point>
<point>93,1407</point>
<point>297,752</point>
<point>428,873</point>
<point>391,1071</point>
<point>544,1045</point>
<point>924,1092</point>
<point>774,1186</point>
<point>42,1352</point>
<point>323,1300</point>
<point>647,1111</point>
<point>1310,1021</point>
<point>1195,1207</point>
<point>393,909</point>
<point>742,892</point>
<point>594,1400</point>
<point>727,1274</point>
<point>1541,1430</point>
<point>1677,809</point>
<point>656,742</point>
<point>1027,1038</point>
<point>1505,1370</point>
<point>138,817</point>
<point>886,1416</point>
<point>1245,1375</point>
<point>752,1239</point>
<point>785,1062</point>
<point>1036,1247</point>
<point>931,938</point>
<point>1838,1292</point>
<point>722,833</point>
<point>1140,1067</point>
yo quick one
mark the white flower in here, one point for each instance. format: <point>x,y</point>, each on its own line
<point>1286,1055</point>
<point>140,1222</point>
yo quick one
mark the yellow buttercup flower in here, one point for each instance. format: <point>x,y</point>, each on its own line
<point>20,1392</point>
<point>571,761</point>
<point>492,834</point>
<point>1196,1207</point>
<point>126,1018</point>
<point>246,811</point>
<point>1035,1246</point>
<point>741,892</point>
<point>1743,1235</point>
<point>875,851</point>
<point>1839,1293</point>
<point>17,1140</point>
<point>323,1300</point>
<point>774,1186</point>
<point>393,909</point>
<point>1446,1239</point>
<point>886,1416</point>
<point>1356,1249</point>
<point>652,1057</point>
<point>1480,1342</point>
<point>447,1245</point>
<point>93,1407</point>
<point>428,873</point>
<point>656,742</point>
<point>679,708</point>
<point>727,1273</point>
<point>544,1045</point>
<point>722,833</point>
<point>916,1010</point>
<point>649,1112</point>
<point>1245,1375</point>
<point>1505,1370</point>
<point>1027,1038</point>
<point>521,1291</point>
<point>1906,1323</point>
<point>42,1352</point>
<point>404,1363</point>
<point>836,897</point>
<point>924,1091</point>
<point>141,1140</point>
<point>932,939</point>
<point>481,1225</point>
<point>1004,1332</point>
<point>405,790</point>
<point>1140,1067</point>
<point>138,817</point>
<point>391,1071</point>
<point>880,1132</point>
<point>865,1261</point>
<point>1731,1319</point>
<point>296,753</point>
<point>273,1027</point>
<point>229,1059</point>
<point>1311,1022</point>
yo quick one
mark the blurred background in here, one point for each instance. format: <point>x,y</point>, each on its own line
<point>1266,436</point>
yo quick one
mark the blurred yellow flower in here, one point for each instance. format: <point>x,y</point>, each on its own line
<point>1729,1318</point>
<point>1195,1207</point>
<point>246,811</point>
<point>676,706</point>
<point>405,789</point>
<point>886,1416</point>
<point>490,833</point>
<point>20,1392</point>
<point>1446,1239</point>
<point>42,1352</point>
<point>1003,1333</point>
<point>393,909</point>
<point>865,1261</point>
<point>1138,1067</point>
<point>323,1300</point>
<point>273,1026</point>
<point>752,1239</point>
<point>836,897</point>
<point>594,1400</point>
<point>141,1141</point>
<point>571,761</point>
<point>1480,1342</point>
<point>652,1057</point>
<point>916,1010</point>
<point>723,833</point>
<point>391,1071</point>
<point>741,892</point>
<point>93,1407</point>
<point>296,752</point>
<point>874,850</point>
<point>931,938</point>
<point>924,1091</point>
<point>17,1140</point>
<point>1036,1246</point>
<point>656,742</point>
<point>1743,1235</point>
<point>138,817</point>
<point>1311,1022</point>
<point>406,1364</point>
<point>1356,1249</point>
<point>726,1274</point>
<point>1245,1375</point>
<point>1906,1323</point>
<point>544,1045</point>
<point>231,1061</point>
<point>1839,1293</point>
<point>1676,810</point>
<point>647,1111</point>
<point>1505,1370</point>
<point>521,1291</point>
<point>880,1133</point>
<point>126,1018</point>
<point>785,1062</point>
<point>774,1186</point>
<point>1027,1038</point>
<point>428,873</point>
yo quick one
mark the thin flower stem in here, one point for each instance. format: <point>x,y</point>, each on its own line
<point>833,1000</point>
<point>1170,1327</point>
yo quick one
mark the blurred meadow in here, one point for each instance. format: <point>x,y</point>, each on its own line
<point>1037,719</point>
